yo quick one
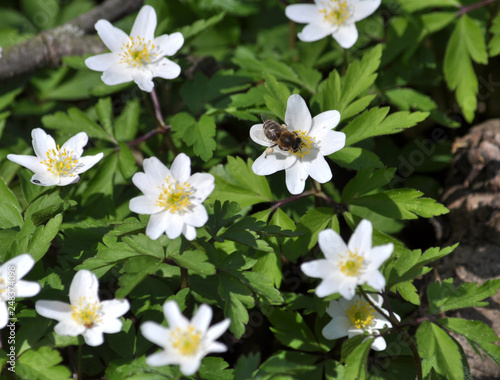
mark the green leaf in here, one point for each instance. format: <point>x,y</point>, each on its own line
<point>41,364</point>
<point>136,270</point>
<point>354,158</point>
<point>494,44</point>
<point>262,285</point>
<point>444,296</point>
<point>411,264</point>
<point>7,196</point>
<point>75,121</point>
<point>127,123</point>
<point>277,98</point>
<point>401,204</point>
<point>105,113</point>
<point>235,296</point>
<point>215,369</point>
<point>192,30</point>
<point>126,161</point>
<point>196,261</point>
<point>291,330</point>
<point>198,134</point>
<point>43,236</point>
<point>439,351</point>
<point>477,333</point>
<point>356,362</point>
<point>243,173</point>
<point>466,44</point>
<point>375,123</point>
<point>418,5</point>
<point>408,98</point>
<point>409,292</point>
<point>366,181</point>
<point>246,366</point>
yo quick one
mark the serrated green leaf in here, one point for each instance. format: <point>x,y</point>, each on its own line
<point>260,284</point>
<point>277,97</point>
<point>135,270</point>
<point>444,296</point>
<point>365,181</point>
<point>401,204</point>
<point>494,44</point>
<point>235,296</point>
<point>7,196</point>
<point>409,292</point>
<point>43,236</point>
<point>466,44</point>
<point>73,122</point>
<point>190,31</point>
<point>354,158</point>
<point>215,369</point>
<point>375,122</point>
<point>243,173</point>
<point>145,246</point>
<point>246,366</point>
<point>291,330</point>
<point>408,98</point>
<point>127,123</point>
<point>417,5</point>
<point>196,261</point>
<point>476,332</point>
<point>356,362</point>
<point>104,111</point>
<point>439,350</point>
<point>42,364</point>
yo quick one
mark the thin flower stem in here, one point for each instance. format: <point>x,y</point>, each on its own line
<point>184,278</point>
<point>402,331</point>
<point>472,7</point>
<point>79,353</point>
<point>158,114</point>
<point>278,204</point>
<point>147,136</point>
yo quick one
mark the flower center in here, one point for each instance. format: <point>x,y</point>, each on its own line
<point>335,12</point>
<point>174,196</point>
<point>86,312</point>
<point>187,341</point>
<point>3,288</point>
<point>352,264</point>
<point>361,314</point>
<point>307,143</point>
<point>137,52</point>
<point>60,162</point>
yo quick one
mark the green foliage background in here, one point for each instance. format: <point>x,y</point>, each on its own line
<point>414,76</point>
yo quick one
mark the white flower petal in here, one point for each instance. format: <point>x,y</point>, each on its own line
<point>4,315</point>
<point>174,316</point>
<point>155,333</point>
<point>346,35</point>
<point>324,121</point>
<point>144,80</point>
<point>315,32</point>
<point>189,232</point>
<point>378,255</point>
<point>75,144</point>
<point>116,74</point>
<point>216,347</point>
<point>169,44</point>
<point>190,367</point>
<point>148,184</point>
<point>297,116</point>
<point>23,263</point>
<point>202,185</point>
<point>112,37</point>
<point>111,325</point>
<point>27,288</point>
<point>365,8</point>
<point>66,180</point>
<point>85,163</point>
<point>93,337</point>
<point>84,285</point>
<point>47,178</point>
<point>270,164</point>
<point>347,287</point>
<point>201,320</point>
<point>376,280</point>
<point>331,244</point>
<point>336,328</point>
<point>197,217</point>
<point>42,143</point>
<point>29,162</point>
<point>361,239</point>
<point>102,62</point>
<point>312,268</point>
<point>173,225</point>
<point>258,136</point>
<point>69,327</point>
<point>115,308</point>
<point>57,310</point>
<point>154,168</point>
<point>331,142</point>
<point>379,344</point>
<point>157,225</point>
<point>218,329</point>
<point>318,169</point>
<point>181,167</point>
<point>160,359</point>
<point>295,178</point>
<point>166,69</point>
<point>327,287</point>
<point>302,13</point>
<point>145,24</point>
<point>144,205</point>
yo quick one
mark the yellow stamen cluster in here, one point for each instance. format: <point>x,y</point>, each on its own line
<point>307,143</point>
<point>86,312</point>
<point>186,342</point>
<point>60,162</point>
<point>3,288</point>
<point>336,12</point>
<point>137,52</point>
<point>361,314</point>
<point>351,265</point>
<point>174,196</point>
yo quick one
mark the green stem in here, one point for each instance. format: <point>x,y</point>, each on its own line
<point>158,114</point>
<point>472,7</point>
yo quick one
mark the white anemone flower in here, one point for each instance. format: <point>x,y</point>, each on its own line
<point>11,285</point>
<point>54,164</point>
<point>346,266</point>
<point>139,57</point>
<point>184,342</point>
<point>174,197</point>
<point>86,315</point>
<point>317,140</point>
<point>335,17</point>
<point>354,317</point>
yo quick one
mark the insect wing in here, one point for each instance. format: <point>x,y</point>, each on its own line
<point>259,133</point>
<point>266,116</point>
